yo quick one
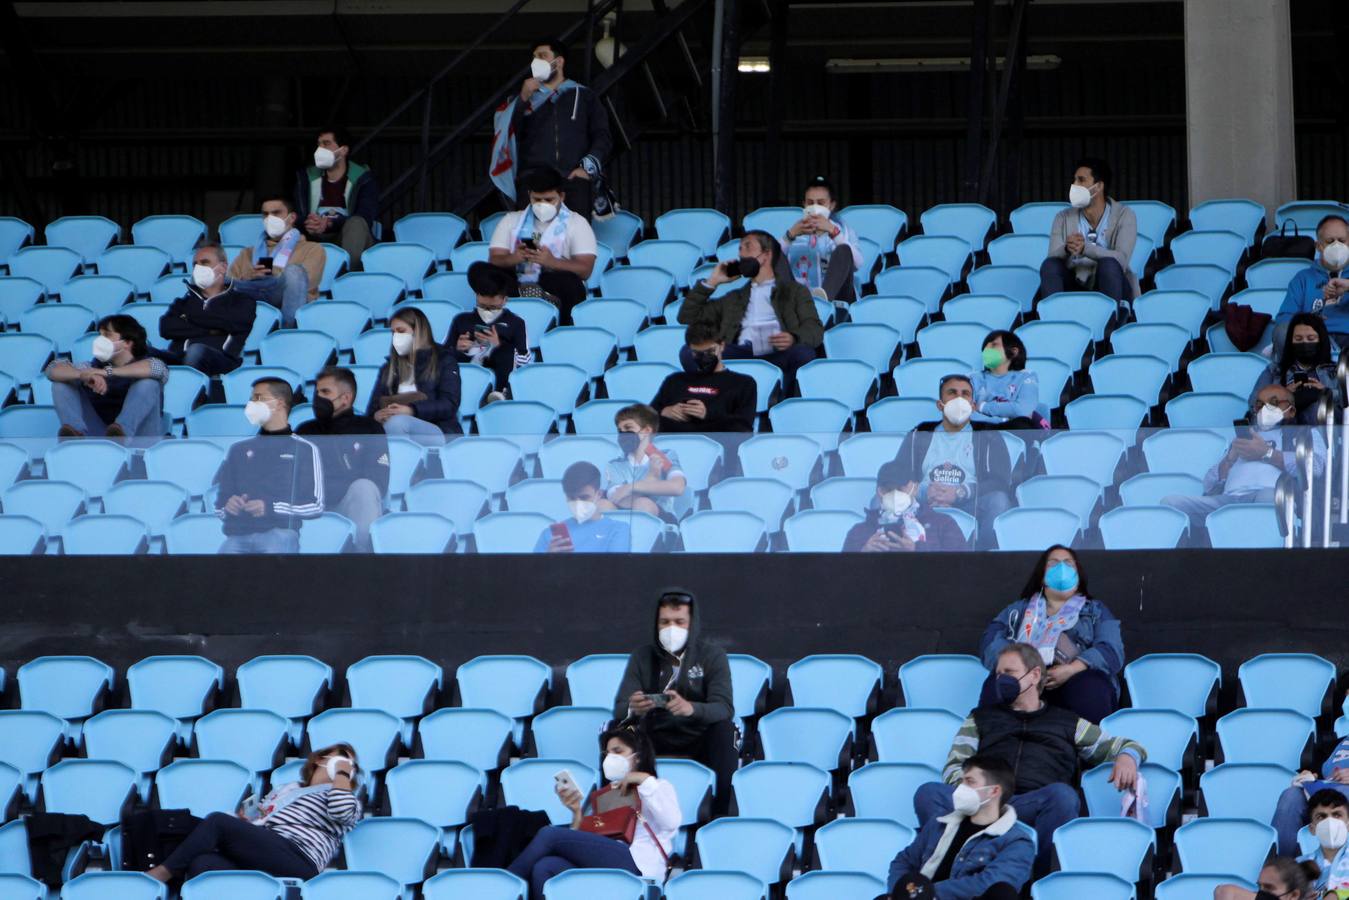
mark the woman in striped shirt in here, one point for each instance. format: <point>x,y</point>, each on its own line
<point>293,832</point>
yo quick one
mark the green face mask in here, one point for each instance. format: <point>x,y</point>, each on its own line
<point>993,357</point>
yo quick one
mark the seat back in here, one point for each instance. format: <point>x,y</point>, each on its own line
<point>529,784</point>
<point>203,786</point>
<point>915,735</point>
<point>473,884</point>
<point>403,849</point>
<point>403,686</point>
<point>177,686</point>
<point>943,681</point>
<point>786,791</point>
<point>440,792</point>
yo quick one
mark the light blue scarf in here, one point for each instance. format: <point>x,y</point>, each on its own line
<point>553,236</point>
<point>285,246</point>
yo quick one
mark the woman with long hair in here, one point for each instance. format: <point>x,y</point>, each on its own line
<point>1304,366</point>
<point>417,393</point>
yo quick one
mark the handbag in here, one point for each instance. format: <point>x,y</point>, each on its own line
<point>616,815</point>
<point>1283,245</point>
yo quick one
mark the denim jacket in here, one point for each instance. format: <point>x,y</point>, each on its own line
<point>1002,852</point>
<point>1096,634</point>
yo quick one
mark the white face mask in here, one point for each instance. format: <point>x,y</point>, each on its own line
<point>616,766</point>
<point>324,158</point>
<point>104,349</point>
<point>489,316</point>
<point>1335,256</point>
<point>896,503</point>
<point>582,510</point>
<point>257,412</point>
<point>673,638</point>
<point>541,69</point>
<point>333,762</point>
<point>1332,833</point>
<point>957,410</point>
<point>966,800</point>
<point>815,209</point>
<point>402,343</point>
<point>1268,417</point>
<point>1079,197</point>
<point>544,212</point>
<point>275,226</point>
<point>203,276</point>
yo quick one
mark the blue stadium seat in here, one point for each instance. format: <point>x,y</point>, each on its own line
<point>704,228</point>
<point>91,465</point>
<point>1307,214</point>
<point>1297,681</point>
<point>542,496</point>
<point>1185,682</point>
<point>1261,300</point>
<point>1021,283</point>
<point>102,295</point>
<point>992,312</point>
<point>515,686</point>
<point>347,885</point>
<point>1274,274</point>
<point>819,530</point>
<point>1229,846</point>
<point>767,380</point>
<point>233,886</point>
<point>1185,309</point>
<point>589,349</point>
<point>604,261</point>
<point>18,294</point>
<point>722,531</point>
<point>815,736</point>
<point>140,739</point>
<point>1219,342</point>
<point>69,687</point>
<point>861,845</point>
<point>51,503</point>
<point>877,222</point>
<point>189,464</point>
<point>253,738</point>
<point>900,415</point>
<point>697,884</point>
<point>401,848</point>
<point>14,886</point>
<point>822,419</point>
<point>1075,885</point>
<point>195,533</point>
<point>176,235</point>
<point>678,257</point>
<point>377,292</point>
<point>539,316</point>
<point>766,499</point>
<point>953,340</point>
<point>291,686</point>
<point>1199,410</point>
<point>884,790</point>
<point>447,287</point>
<point>458,501</point>
<point>556,456</point>
<point>1243,790</point>
<point>241,228</point>
<point>266,319</point>
<point>1183,451</point>
<point>618,231</point>
<point>1277,737</point>
<point>1143,528</point>
<point>1076,494</point>
<point>336,261</point>
<point>555,385</point>
<point>51,267</point>
<point>1118,847</point>
<point>303,351</point>
<point>1150,488</point>
<point>595,884</point>
<point>465,255</point>
<point>834,886</point>
<point>1210,280</point>
<point>758,847</point>
<point>408,261</point>
<point>440,232</point>
<point>947,254</point>
<point>1188,886</point>
<point>943,681</point>
<point>773,219</point>
<point>648,285</point>
<point>593,680</point>
<point>1105,411</point>
<point>916,735</point>
<point>373,733</point>
<point>1094,310</point>
<point>1232,373</point>
<point>467,884</point>
<point>114,886</point>
<point>480,738</point>
<point>341,320</point>
<point>751,679</point>
<point>14,233</point>
<point>924,283</point>
<point>847,683</point>
<point>1093,455</point>
<point>971,222</point>
<point>1035,218</point>
<point>97,788</point>
<point>788,458</point>
<point>1154,218</point>
<point>491,460</point>
<point>33,740</point>
<point>1244,217</point>
<point>411,532</point>
<point>1027,529</point>
<point>529,784</point>
<point>202,786</point>
<point>181,687</point>
<point>1064,341</point>
<point>509,532</point>
<point>791,793</point>
<point>60,323</point>
<point>1027,250</point>
<point>440,792</point>
<point>862,455</point>
<point>1105,800</point>
<point>874,345</point>
<point>1244,525</point>
<point>439,315</point>
<point>620,317</point>
<point>901,315</point>
<point>1165,341</point>
<point>403,686</point>
<point>570,732</point>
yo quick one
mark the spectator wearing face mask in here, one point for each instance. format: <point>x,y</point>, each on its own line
<point>1304,366</point>
<point>269,484</point>
<point>353,450</point>
<point>207,327</point>
<point>1078,637</point>
<point>822,252</point>
<point>973,852</point>
<point>679,686</point>
<point>119,393</point>
<point>1299,803</point>
<point>491,335</point>
<point>1091,242</point>
<point>1320,288</point>
<point>1282,878</point>
<point>587,531</point>
<point>644,478</point>
<point>417,393</point>
<point>706,397</point>
<point>337,199</point>
<point>1006,393</point>
<point>772,317</point>
<point>1044,744</point>
<point>899,523</point>
<point>1329,823</point>
<point>1256,458</point>
<point>958,463</point>
<point>549,249</point>
<point>281,268</point>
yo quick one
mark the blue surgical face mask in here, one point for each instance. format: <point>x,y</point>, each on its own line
<point>1061,577</point>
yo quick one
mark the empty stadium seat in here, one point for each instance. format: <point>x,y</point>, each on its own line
<point>100,789</point>
<point>815,736</point>
<point>515,686</point>
<point>440,792</point>
<point>529,784</point>
<point>403,686</point>
<point>570,732</point>
<point>470,884</point>
<point>925,283</point>
<point>1118,847</point>
<point>51,267</point>
<point>202,786</point>
<point>1278,737</point>
<point>140,739</point>
<point>1185,682</point>
<point>479,737</point>
<point>697,884</point>
<point>1035,218</point>
<point>1210,280</point>
<point>1236,847</point>
<point>884,790</point>
<point>1244,525</point>
<point>408,261</point>
<point>33,740</point>
<point>1243,790</point>
<point>1021,283</point>
<point>401,848</point>
<point>943,681</point>
<point>834,886</point>
<point>181,687</point>
<point>114,886</point>
<point>253,738</point>
<point>1074,885</point>
<point>759,847</point>
<point>1028,529</point>
<point>1143,528</point>
<point>1297,681</point>
<point>622,318</point>
<point>916,735</point>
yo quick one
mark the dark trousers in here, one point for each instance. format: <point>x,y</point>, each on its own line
<point>556,849</point>
<point>714,748</point>
<point>1044,809</point>
<point>209,360</point>
<point>1000,891</point>
<point>223,842</point>
<point>838,280</point>
<point>1090,694</point>
<point>1056,277</point>
<point>502,363</point>
<point>789,360</point>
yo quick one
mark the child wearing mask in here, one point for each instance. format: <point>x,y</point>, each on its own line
<point>644,478</point>
<point>586,531</point>
<point>491,335</point>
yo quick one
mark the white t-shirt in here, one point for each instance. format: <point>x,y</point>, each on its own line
<point>580,237</point>
<point>660,808</point>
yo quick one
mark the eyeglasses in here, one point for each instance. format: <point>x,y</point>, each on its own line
<point>676,597</point>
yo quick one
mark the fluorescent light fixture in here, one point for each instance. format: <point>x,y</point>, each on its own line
<point>1041,62</point>
<point>756,65</point>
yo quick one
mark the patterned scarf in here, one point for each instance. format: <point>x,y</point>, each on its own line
<point>1041,630</point>
<point>553,236</point>
<point>285,246</point>
<point>501,165</point>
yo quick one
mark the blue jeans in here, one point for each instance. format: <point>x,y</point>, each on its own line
<point>555,849</point>
<point>140,415</point>
<point>208,360</point>
<point>273,540</point>
<point>419,430</point>
<point>287,292</point>
<point>1056,277</point>
<point>1291,814</point>
<point>1044,809</point>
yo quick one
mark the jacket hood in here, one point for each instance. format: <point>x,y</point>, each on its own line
<point>694,616</point>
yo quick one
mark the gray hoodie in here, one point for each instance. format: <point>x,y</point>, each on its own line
<point>704,680</point>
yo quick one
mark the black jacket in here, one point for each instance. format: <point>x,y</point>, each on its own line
<point>282,470</point>
<point>510,331</point>
<point>441,406</point>
<point>502,834</point>
<point>150,835</point>
<point>562,132</point>
<point>222,322</point>
<point>730,398</point>
<point>992,464</point>
<point>347,458</point>
<point>1041,746</point>
<point>704,680</point>
<point>363,200</point>
<point>51,836</point>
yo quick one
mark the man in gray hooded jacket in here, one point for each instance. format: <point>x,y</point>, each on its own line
<point>679,687</point>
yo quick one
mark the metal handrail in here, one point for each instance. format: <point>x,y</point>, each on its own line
<point>1305,453</point>
<point>1285,507</point>
<point>1325,417</point>
<point>1342,377</point>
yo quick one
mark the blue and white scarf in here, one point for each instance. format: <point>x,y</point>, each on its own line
<point>502,161</point>
<point>1041,630</point>
<point>809,255</point>
<point>285,246</point>
<point>553,236</point>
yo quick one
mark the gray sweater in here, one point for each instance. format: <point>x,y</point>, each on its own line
<point>1121,233</point>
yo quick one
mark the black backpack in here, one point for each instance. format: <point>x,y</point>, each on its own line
<point>1281,244</point>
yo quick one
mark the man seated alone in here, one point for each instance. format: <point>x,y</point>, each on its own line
<point>587,531</point>
<point>268,484</point>
<point>208,326</point>
<point>644,478</point>
<point>354,452</point>
<point>679,686</point>
<point>120,392</point>
<point>491,335</point>
<point>1295,803</point>
<point>769,318</point>
<point>1046,744</point>
<point>974,852</point>
<point>281,268</point>
<point>336,198</point>
<point>899,523</point>
<point>958,463</point>
<point>709,398</point>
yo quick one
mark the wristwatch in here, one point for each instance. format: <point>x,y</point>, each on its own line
<point>107,371</point>
<point>1269,452</point>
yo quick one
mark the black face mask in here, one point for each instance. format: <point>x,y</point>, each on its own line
<point>1306,352</point>
<point>323,408</point>
<point>705,361</point>
<point>1006,689</point>
<point>628,441</point>
<point>745,266</point>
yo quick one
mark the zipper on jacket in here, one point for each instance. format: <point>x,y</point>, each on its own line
<point>1016,766</point>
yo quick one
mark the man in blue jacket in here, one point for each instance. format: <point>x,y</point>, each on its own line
<point>978,851</point>
<point>1320,288</point>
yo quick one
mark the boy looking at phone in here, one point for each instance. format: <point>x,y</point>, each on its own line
<point>678,686</point>
<point>899,523</point>
<point>586,531</point>
<point>491,335</point>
